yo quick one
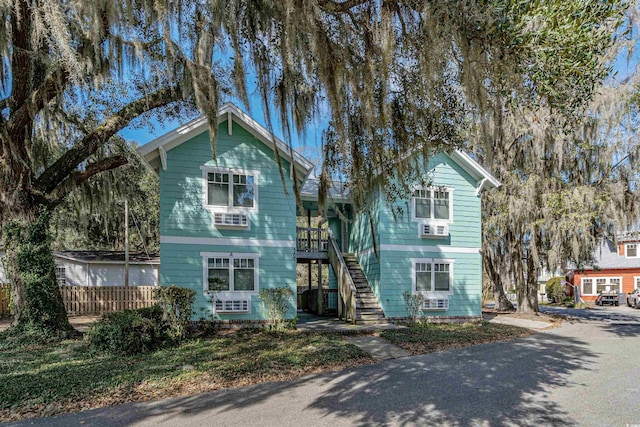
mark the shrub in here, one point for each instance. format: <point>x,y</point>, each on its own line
<point>413,303</point>
<point>555,289</point>
<point>177,309</point>
<point>276,301</point>
<point>129,331</point>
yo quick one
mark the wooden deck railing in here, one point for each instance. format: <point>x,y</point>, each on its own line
<point>312,239</point>
<point>346,287</point>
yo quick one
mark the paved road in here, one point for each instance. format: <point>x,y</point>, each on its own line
<point>586,372</point>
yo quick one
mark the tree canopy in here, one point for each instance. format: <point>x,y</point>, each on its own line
<point>396,77</point>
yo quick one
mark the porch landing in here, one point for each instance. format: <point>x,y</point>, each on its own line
<point>309,322</point>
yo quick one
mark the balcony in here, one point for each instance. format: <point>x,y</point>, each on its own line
<point>312,243</point>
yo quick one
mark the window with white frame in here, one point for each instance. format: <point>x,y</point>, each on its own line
<point>432,203</point>
<point>594,286</point>
<point>61,275</point>
<point>632,250</point>
<point>231,190</point>
<point>637,282</point>
<point>231,273</point>
<point>433,275</point>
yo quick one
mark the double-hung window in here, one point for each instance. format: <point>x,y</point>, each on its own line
<point>433,275</point>
<point>596,285</point>
<point>231,272</point>
<point>432,203</point>
<point>231,190</point>
<point>632,250</point>
<point>61,275</point>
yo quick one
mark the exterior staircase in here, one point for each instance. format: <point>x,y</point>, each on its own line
<point>368,311</point>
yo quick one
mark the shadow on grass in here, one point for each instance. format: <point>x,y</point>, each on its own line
<point>492,384</point>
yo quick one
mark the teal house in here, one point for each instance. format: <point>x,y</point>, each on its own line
<point>231,227</point>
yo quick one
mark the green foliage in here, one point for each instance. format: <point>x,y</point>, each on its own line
<point>129,332</point>
<point>413,302</point>
<point>276,302</point>
<point>177,307</point>
<point>555,289</point>
<point>43,380</point>
<point>91,218</point>
<point>31,268</point>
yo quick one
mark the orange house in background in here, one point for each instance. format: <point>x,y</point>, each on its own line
<point>615,268</point>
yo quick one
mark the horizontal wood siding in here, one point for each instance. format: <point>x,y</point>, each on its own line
<point>182,265</point>
<point>396,277</point>
<point>465,229</point>
<point>80,300</point>
<point>181,188</point>
<point>628,279</point>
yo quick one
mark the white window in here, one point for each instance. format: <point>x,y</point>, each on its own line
<point>61,275</point>
<point>230,191</point>
<point>228,273</point>
<point>432,275</point>
<point>432,203</point>
<point>637,282</point>
<point>632,250</point>
<point>594,286</point>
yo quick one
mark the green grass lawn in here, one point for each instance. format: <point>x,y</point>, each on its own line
<point>46,379</point>
<point>429,337</point>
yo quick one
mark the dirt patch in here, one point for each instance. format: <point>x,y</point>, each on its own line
<point>554,319</point>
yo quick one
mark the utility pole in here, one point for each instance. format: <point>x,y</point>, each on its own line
<point>126,243</point>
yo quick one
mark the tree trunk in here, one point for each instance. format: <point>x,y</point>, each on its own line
<point>37,302</point>
<point>502,303</point>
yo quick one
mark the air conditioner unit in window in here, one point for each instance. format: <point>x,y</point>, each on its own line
<point>233,306</point>
<point>231,219</point>
<point>434,230</point>
<point>436,304</point>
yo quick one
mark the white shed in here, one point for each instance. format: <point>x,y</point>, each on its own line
<point>102,268</point>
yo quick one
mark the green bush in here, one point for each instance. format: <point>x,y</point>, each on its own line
<point>177,309</point>
<point>555,289</point>
<point>129,332</point>
<point>414,303</point>
<point>276,302</point>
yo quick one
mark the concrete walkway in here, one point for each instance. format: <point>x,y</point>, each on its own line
<point>536,325</point>
<point>378,348</point>
<point>310,322</point>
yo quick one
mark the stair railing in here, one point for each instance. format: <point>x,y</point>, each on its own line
<point>346,287</point>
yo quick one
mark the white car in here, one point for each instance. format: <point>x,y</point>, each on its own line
<point>633,299</point>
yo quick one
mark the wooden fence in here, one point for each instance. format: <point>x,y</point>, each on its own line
<point>81,300</point>
<point>5,298</point>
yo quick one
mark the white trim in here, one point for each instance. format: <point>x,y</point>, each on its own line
<point>429,248</point>
<point>467,163</point>
<point>163,158</point>
<point>217,241</point>
<point>626,247</point>
<point>206,169</point>
<point>594,288</point>
<point>418,249</point>
<point>433,294</point>
<point>195,127</point>
<point>636,282</point>
<point>432,219</point>
<point>226,295</point>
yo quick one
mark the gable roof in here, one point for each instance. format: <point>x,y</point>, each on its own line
<point>154,152</point>
<point>606,257</point>
<point>473,168</point>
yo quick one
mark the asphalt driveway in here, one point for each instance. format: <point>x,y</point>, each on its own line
<point>585,372</point>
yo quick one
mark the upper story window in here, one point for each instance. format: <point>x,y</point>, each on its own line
<point>231,190</point>
<point>432,203</point>
<point>632,250</point>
